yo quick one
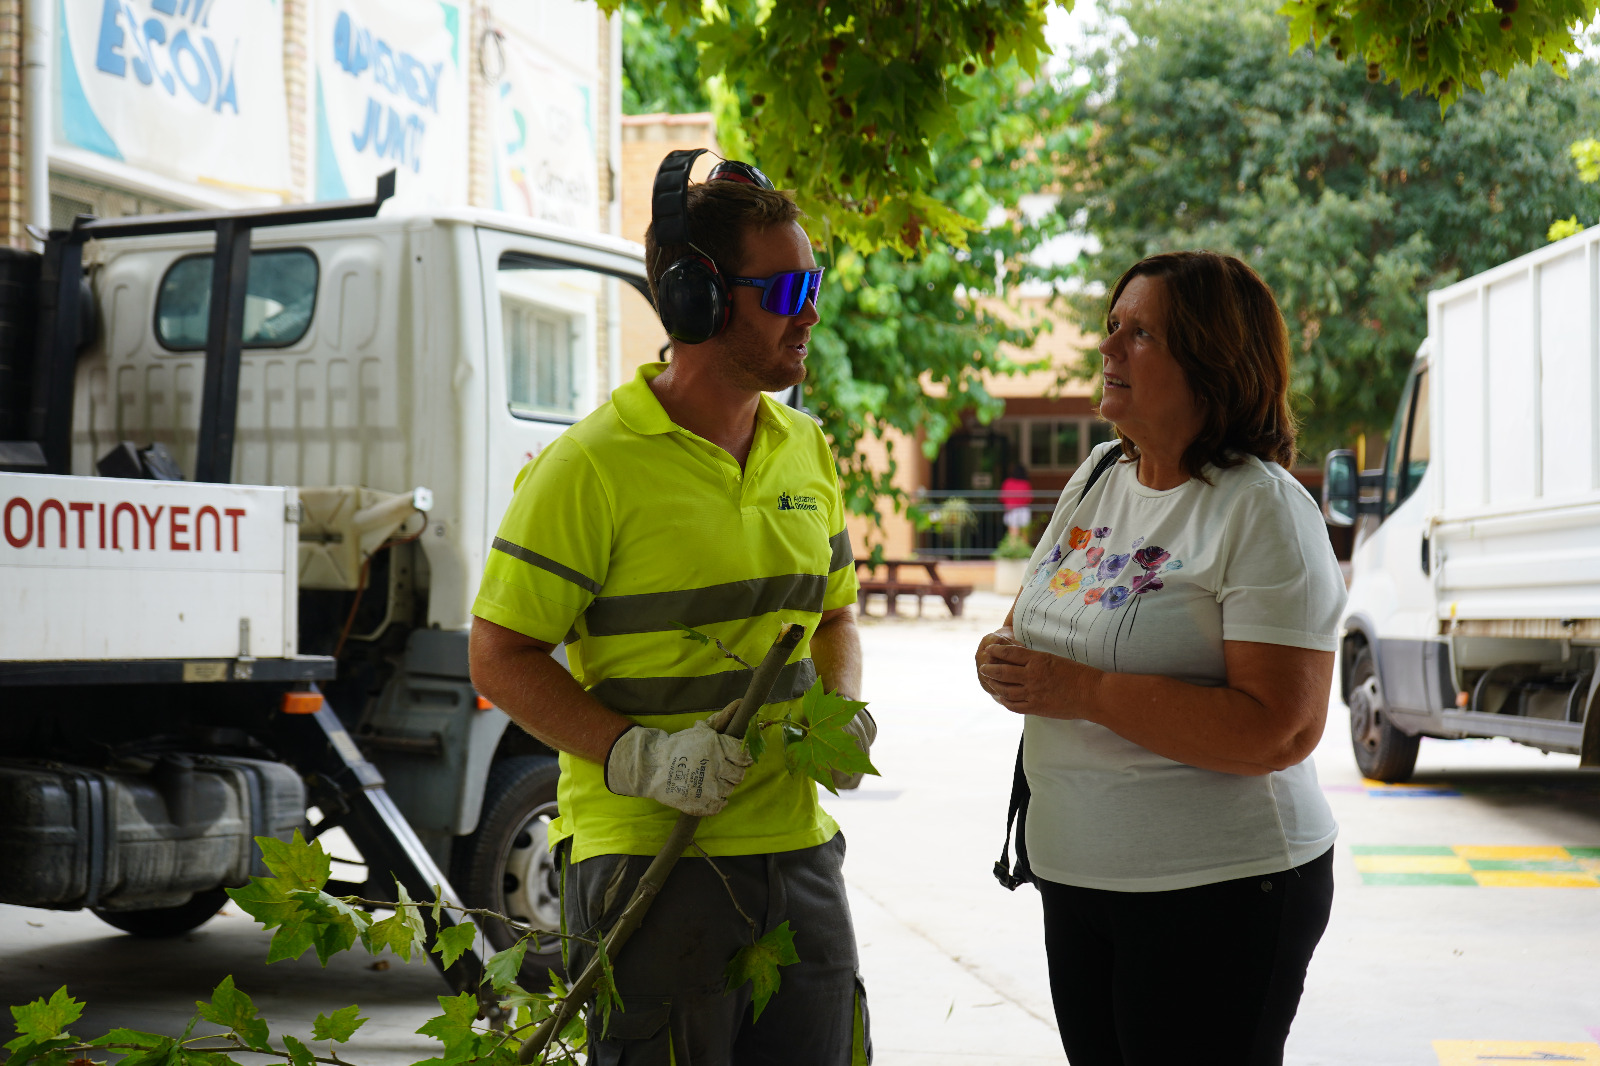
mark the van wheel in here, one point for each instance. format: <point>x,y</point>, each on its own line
<point>169,921</point>
<point>506,864</point>
<point>1383,752</point>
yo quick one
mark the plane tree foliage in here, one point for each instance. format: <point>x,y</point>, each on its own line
<point>1351,197</point>
<point>911,323</point>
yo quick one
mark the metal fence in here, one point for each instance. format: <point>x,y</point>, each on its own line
<point>970,523</point>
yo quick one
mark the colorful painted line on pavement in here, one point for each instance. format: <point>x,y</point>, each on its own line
<point>1475,1052</point>
<point>1489,866</point>
<point>1381,789</point>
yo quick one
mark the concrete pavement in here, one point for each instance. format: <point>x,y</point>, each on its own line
<point>953,964</point>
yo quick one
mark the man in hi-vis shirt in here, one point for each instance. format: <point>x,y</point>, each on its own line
<point>692,498</point>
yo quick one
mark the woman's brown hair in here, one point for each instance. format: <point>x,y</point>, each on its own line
<point>1226,333</point>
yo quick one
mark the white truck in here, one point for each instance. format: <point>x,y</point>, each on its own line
<point>1474,604</point>
<point>185,664</point>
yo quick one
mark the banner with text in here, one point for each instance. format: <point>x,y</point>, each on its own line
<point>187,89</point>
<point>544,144</point>
<point>391,95</point>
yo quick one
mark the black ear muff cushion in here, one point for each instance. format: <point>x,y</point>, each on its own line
<point>692,300</point>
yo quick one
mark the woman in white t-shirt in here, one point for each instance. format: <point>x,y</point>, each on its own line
<point>1172,653</point>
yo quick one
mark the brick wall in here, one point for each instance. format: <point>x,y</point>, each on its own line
<point>13,206</point>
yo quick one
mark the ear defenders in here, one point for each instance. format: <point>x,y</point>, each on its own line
<point>691,296</point>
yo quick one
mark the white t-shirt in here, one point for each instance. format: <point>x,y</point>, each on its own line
<point>1141,581</point>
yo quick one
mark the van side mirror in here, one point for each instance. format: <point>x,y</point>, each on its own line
<point>1341,489</point>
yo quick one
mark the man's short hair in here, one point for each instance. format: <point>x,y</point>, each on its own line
<point>719,214</point>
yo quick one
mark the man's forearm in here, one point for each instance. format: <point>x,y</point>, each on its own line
<point>836,651</point>
<point>544,699</point>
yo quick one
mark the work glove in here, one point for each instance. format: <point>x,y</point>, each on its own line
<point>865,731</point>
<point>692,770</point>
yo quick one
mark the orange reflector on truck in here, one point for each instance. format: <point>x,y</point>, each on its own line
<point>484,704</point>
<point>302,702</point>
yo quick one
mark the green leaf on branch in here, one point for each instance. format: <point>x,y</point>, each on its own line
<point>503,966</point>
<point>453,940</point>
<point>332,923</point>
<point>339,1026</point>
<point>299,1054</point>
<point>815,740</point>
<point>453,1028</point>
<point>401,931</point>
<point>44,1019</point>
<point>707,640</point>
<point>232,1009</point>
<point>754,742</point>
<point>295,862</point>
<point>759,964</point>
<point>606,996</point>
<point>165,1053</point>
<point>45,1052</point>
<point>123,1038</point>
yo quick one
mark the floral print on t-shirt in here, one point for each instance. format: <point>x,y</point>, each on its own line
<point>1103,579</point>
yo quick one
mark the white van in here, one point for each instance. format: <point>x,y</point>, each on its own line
<point>1474,604</point>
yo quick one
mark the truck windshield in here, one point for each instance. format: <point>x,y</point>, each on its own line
<point>1406,459</point>
<point>280,297</point>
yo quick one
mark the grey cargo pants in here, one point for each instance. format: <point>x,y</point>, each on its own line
<point>671,973</point>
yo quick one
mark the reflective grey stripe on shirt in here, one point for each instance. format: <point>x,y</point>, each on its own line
<point>565,573</point>
<point>655,612</point>
<point>708,692</point>
<point>842,553</point>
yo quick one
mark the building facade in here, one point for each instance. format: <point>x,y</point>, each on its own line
<point>157,105</point>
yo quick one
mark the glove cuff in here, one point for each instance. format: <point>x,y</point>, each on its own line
<point>606,766</point>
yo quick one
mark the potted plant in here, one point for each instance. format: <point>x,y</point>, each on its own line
<point>1011,564</point>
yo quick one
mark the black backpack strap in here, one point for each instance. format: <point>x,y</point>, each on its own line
<point>1009,875</point>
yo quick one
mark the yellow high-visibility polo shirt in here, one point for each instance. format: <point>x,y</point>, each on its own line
<point>629,523</point>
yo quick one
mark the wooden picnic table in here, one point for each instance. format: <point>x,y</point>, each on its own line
<point>891,587</point>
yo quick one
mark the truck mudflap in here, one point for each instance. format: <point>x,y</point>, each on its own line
<point>351,794</point>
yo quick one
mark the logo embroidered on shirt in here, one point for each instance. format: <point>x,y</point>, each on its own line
<point>790,502</point>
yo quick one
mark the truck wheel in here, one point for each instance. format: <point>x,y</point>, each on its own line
<point>506,864</point>
<point>169,921</point>
<point>1383,752</point>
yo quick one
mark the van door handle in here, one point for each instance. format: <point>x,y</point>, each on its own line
<point>1427,558</point>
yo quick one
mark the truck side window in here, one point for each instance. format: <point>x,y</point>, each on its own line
<point>1406,458</point>
<point>280,298</point>
<point>547,319</point>
<point>565,330</point>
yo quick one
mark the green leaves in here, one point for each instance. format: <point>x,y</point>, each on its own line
<point>400,932</point>
<point>339,1026</point>
<point>44,1019</point>
<point>299,1054</point>
<point>453,1027</point>
<point>41,1030</point>
<point>759,964</point>
<point>1351,199</point>
<point>754,742</point>
<point>815,740</point>
<point>503,966</point>
<point>294,862</point>
<point>453,940</point>
<point>232,1009</point>
<point>1441,48</point>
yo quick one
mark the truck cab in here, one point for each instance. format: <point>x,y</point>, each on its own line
<point>1474,606</point>
<point>392,373</point>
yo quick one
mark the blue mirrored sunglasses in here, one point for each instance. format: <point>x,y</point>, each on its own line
<point>786,293</point>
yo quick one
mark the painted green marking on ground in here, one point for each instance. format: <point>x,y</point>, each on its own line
<point>1381,878</point>
<point>1400,849</point>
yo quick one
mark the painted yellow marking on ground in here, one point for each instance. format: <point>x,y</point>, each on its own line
<point>1511,853</point>
<point>1534,879</point>
<point>1485,1052</point>
<point>1412,864</point>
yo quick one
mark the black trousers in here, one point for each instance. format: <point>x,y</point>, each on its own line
<point>671,975</point>
<point>1202,975</point>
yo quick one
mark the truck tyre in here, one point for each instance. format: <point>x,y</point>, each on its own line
<point>169,921</point>
<point>1383,752</point>
<point>506,864</point>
